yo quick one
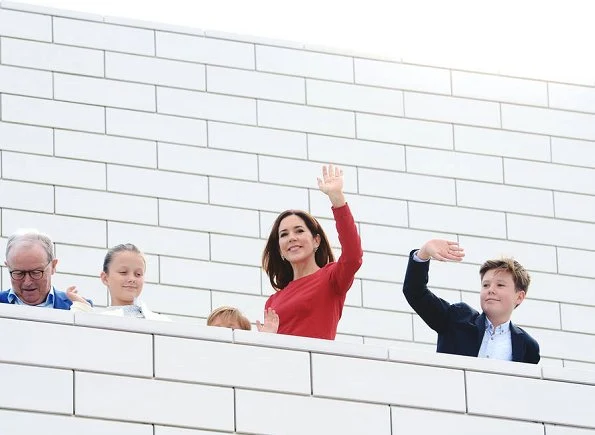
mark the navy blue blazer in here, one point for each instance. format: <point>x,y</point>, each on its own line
<point>61,301</point>
<point>460,328</point>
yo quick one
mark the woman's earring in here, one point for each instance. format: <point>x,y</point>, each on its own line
<point>282,258</point>
<point>315,248</point>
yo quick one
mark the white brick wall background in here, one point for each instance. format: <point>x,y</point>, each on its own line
<point>128,376</point>
<point>189,145</point>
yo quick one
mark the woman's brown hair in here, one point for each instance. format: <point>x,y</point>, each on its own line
<point>279,270</point>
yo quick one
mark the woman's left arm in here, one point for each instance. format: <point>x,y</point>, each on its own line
<point>351,248</point>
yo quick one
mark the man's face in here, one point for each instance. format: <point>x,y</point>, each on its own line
<point>27,257</point>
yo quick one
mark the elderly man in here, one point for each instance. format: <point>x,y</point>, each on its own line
<point>31,264</point>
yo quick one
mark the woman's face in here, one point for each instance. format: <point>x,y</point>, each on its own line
<point>125,277</point>
<point>296,242</point>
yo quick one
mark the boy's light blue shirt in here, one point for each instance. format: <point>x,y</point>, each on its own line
<point>496,343</point>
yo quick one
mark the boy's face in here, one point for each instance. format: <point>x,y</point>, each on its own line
<point>498,296</point>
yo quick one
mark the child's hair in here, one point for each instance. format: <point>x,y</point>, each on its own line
<point>229,314</point>
<point>519,274</point>
<point>128,247</point>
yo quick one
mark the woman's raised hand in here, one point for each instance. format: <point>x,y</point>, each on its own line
<point>331,184</point>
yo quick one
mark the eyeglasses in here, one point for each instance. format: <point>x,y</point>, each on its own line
<point>37,274</point>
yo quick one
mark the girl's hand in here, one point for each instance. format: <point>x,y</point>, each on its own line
<point>73,295</point>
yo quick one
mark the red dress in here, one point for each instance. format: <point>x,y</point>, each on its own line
<point>311,306</point>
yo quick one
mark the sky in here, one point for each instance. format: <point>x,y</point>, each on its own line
<point>550,39</point>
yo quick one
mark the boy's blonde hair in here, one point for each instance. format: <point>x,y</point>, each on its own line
<point>229,313</point>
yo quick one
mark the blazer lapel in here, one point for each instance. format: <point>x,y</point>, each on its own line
<point>518,344</point>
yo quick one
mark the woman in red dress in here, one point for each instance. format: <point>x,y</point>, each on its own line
<point>310,285</point>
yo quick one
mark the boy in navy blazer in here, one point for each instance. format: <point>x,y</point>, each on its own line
<point>461,329</point>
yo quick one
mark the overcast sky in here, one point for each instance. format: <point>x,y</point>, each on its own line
<point>548,39</point>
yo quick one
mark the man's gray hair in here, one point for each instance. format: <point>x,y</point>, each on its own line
<point>31,236</point>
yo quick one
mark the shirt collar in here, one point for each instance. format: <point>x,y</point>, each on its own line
<point>49,301</point>
<point>501,329</point>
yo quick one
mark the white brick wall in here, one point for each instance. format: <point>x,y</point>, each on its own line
<point>354,97</point>
<point>50,113</point>
<point>36,389</point>
<point>24,25</point>
<point>451,109</point>
<point>103,148</point>
<point>304,63</point>
<point>156,71</point>
<point>494,88</point>
<point>261,412</point>
<point>216,363</point>
<point>163,184</point>
<point>530,399</point>
<point>205,105</point>
<point>53,170</point>
<point>204,50</point>
<point>573,152</point>
<point>206,161</point>
<point>188,145</point>
<point>102,92</point>
<point>255,84</point>
<point>410,77</point>
<point>155,127</point>
<point>257,140</point>
<point>103,36</point>
<point>404,131</point>
<point>15,80</point>
<point>25,423</point>
<point>171,378</point>
<point>149,400</point>
<point>52,57</point>
<point>423,421</point>
<point>305,118</point>
<point>105,205</point>
<point>454,164</point>
<point>502,143</point>
<point>25,138</point>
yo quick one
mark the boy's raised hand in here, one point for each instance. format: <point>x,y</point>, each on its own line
<point>442,250</point>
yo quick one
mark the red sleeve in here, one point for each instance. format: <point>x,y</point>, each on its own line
<point>351,250</point>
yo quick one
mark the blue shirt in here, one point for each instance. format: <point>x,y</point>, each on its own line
<point>49,301</point>
<point>496,343</point>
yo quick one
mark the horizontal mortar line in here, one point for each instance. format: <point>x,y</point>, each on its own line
<point>318,133</point>
<point>359,84</point>
<point>313,189</point>
<point>360,221</point>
